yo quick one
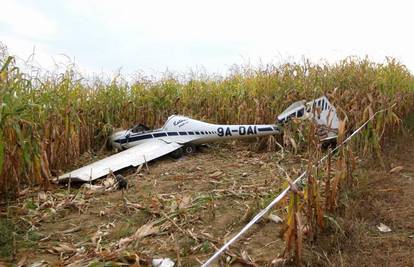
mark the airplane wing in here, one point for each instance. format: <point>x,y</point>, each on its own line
<point>133,156</point>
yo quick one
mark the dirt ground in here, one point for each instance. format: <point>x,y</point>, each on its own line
<point>180,209</point>
<point>185,209</point>
<point>379,196</point>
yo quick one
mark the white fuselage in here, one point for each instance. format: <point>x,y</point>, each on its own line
<point>185,130</point>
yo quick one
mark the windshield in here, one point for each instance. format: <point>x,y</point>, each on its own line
<point>139,128</point>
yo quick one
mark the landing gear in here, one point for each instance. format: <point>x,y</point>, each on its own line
<point>176,154</point>
<point>190,149</point>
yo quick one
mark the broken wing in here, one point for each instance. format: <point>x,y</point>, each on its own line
<point>133,156</point>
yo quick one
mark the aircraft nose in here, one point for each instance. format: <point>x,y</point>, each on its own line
<point>115,139</point>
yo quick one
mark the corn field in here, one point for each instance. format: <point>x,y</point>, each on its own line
<point>310,206</point>
<point>48,121</point>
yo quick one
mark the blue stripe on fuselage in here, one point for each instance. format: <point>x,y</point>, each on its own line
<point>134,138</point>
<point>265,129</point>
<point>159,134</point>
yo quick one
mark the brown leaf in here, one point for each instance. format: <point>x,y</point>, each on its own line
<point>293,143</point>
<point>185,202</point>
<point>125,241</point>
<point>63,248</point>
<point>42,196</point>
<point>146,230</point>
<point>216,174</point>
<point>22,262</point>
<point>396,169</point>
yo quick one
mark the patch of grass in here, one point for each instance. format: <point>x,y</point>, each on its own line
<point>185,244</point>
<point>206,247</point>
<point>7,238</point>
<point>34,236</point>
<point>30,204</point>
<point>122,230</point>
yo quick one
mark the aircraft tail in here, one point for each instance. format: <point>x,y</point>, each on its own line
<point>320,110</point>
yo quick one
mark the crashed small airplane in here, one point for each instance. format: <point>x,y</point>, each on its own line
<point>181,134</point>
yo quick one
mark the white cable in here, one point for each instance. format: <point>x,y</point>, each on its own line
<point>282,195</point>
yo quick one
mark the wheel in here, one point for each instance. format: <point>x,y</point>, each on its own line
<point>176,154</point>
<point>190,149</point>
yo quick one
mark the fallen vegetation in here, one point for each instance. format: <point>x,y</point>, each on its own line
<point>182,210</point>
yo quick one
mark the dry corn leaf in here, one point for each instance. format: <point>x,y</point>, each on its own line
<point>93,188</point>
<point>42,196</point>
<point>146,230</point>
<point>22,262</point>
<point>185,202</point>
<point>63,248</point>
<point>396,169</point>
<point>216,174</point>
<point>123,242</point>
<point>108,182</point>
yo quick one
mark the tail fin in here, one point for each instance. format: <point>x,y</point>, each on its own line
<point>320,110</point>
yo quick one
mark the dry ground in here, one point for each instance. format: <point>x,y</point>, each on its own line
<point>181,209</point>
<point>184,209</point>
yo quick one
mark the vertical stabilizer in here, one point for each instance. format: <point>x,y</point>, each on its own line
<point>320,110</point>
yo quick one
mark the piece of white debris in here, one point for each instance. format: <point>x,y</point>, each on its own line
<point>275,218</point>
<point>383,228</point>
<point>165,262</point>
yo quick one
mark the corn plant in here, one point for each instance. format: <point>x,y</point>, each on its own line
<point>48,120</point>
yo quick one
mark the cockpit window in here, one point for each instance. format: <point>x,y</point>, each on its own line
<point>139,128</point>
<point>300,112</point>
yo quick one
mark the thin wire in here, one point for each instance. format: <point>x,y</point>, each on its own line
<point>283,194</point>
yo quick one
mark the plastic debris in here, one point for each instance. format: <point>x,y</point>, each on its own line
<point>383,228</point>
<point>275,218</point>
<point>165,262</point>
